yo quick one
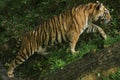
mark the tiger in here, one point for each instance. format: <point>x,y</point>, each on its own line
<point>65,27</point>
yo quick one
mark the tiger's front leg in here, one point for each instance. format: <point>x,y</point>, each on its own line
<point>93,28</point>
<point>101,31</point>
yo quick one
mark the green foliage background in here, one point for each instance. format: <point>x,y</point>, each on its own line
<point>19,16</point>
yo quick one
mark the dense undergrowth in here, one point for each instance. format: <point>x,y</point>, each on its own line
<point>113,76</point>
<point>19,16</point>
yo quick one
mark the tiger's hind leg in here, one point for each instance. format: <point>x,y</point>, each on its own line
<point>25,52</point>
<point>16,62</point>
<point>20,58</point>
<point>11,68</point>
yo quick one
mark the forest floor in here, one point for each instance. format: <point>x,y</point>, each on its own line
<point>92,66</point>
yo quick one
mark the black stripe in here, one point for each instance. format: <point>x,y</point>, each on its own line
<point>68,40</point>
<point>24,57</point>
<point>31,51</point>
<point>34,34</point>
<point>54,31</point>
<point>61,28</point>
<point>49,31</point>
<point>62,35</point>
<point>59,31</point>
<point>44,34</point>
<point>62,24</point>
<point>27,43</point>
<point>38,36</point>
<point>94,8</point>
<point>41,34</point>
<point>17,62</point>
<point>36,40</point>
<point>23,54</point>
<point>76,25</point>
<point>27,49</point>
<point>44,38</point>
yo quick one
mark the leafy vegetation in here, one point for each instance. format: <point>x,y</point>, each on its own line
<point>19,16</point>
<point>115,76</point>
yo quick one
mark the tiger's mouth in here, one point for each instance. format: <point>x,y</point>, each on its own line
<point>103,20</point>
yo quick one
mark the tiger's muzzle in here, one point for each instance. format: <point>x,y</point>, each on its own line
<point>105,18</point>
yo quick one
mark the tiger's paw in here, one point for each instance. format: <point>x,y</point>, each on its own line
<point>105,37</point>
<point>10,74</point>
<point>72,51</point>
<point>75,52</point>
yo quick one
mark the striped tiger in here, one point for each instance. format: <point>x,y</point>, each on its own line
<point>67,27</point>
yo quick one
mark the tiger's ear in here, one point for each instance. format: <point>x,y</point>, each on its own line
<point>97,2</point>
<point>99,6</point>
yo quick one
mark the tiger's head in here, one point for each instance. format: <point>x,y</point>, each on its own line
<point>101,12</point>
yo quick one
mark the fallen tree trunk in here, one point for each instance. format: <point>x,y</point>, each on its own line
<point>91,67</point>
